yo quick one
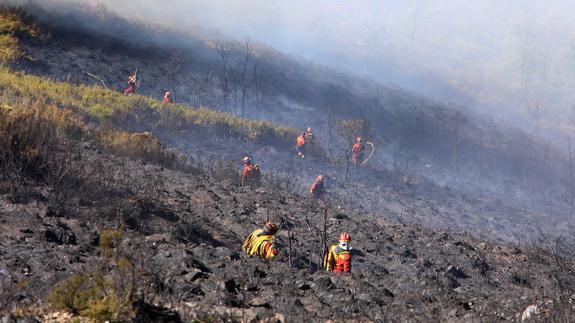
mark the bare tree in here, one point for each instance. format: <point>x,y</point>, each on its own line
<point>200,87</point>
<point>176,61</point>
<point>226,74</point>
<point>346,131</point>
<point>258,77</point>
<point>244,75</point>
<point>534,72</point>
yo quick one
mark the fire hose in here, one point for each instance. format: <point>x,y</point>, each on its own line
<point>371,154</point>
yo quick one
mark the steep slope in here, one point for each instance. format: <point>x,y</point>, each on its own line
<point>183,234</point>
<point>99,218</point>
<point>399,187</point>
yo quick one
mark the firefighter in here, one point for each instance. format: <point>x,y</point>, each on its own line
<point>251,172</point>
<point>167,97</point>
<point>131,89</point>
<point>302,141</point>
<point>338,257</point>
<point>308,134</point>
<point>357,151</point>
<point>317,189</point>
<point>300,144</point>
<point>261,242</point>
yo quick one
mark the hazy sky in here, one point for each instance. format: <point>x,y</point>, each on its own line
<point>357,34</point>
<point>500,53</point>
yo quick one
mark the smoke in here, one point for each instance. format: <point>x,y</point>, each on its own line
<point>510,58</point>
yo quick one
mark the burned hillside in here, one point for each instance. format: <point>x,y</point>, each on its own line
<point>125,208</point>
<point>451,152</point>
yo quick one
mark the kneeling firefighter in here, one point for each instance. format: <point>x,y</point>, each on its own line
<point>251,172</point>
<point>317,189</point>
<point>261,242</point>
<point>338,258</point>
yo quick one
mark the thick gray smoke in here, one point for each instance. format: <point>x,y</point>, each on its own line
<point>511,58</point>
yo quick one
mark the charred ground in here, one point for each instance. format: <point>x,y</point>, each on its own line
<point>182,232</point>
<point>89,193</point>
<point>461,170</point>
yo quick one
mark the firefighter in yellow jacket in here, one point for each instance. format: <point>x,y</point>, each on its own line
<point>261,242</point>
<point>338,258</point>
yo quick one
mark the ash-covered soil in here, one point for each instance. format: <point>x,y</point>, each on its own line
<point>487,209</point>
<point>184,232</point>
<point>394,195</point>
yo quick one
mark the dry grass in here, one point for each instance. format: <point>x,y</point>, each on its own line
<point>14,26</point>
<point>102,106</point>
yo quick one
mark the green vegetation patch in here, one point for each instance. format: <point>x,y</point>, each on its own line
<point>14,25</point>
<point>103,294</point>
<point>109,107</point>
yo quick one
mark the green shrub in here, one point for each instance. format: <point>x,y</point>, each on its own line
<point>105,294</point>
<point>103,106</point>
<point>14,25</point>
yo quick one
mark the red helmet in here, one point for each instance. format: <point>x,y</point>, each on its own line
<point>270,227</point>
<point>344,237</point>
<point>319,178</point>
<point>247,160</point>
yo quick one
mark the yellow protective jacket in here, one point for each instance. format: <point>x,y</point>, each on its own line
<point>338,258</point>
<point>261,244</point>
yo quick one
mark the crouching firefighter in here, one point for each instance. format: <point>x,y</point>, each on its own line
<point>251,172</point>
<point>261,242</point>
<point>338,257</point>
<point>317,189</point>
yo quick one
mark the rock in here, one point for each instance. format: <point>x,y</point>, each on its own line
<point>426,263</point>
<point>258,273</point>
<point>302,284</point>
<point>4,273</point>
<point>408,253</point>
<point>481,265</point>
<point>386,292</point>
<point>277,318</point>
<point>365,297</point>
<point>247,314</point>
<point>27,319</point>
<point>223,252</point>
<point>464,245</point>
<point>323,282</point>
<point>456,272</point>
<point>157,238</point>
<point>229,286</point>
<point>529,312</point>
<point>58,232</point>
<point>194,275</point>
<point>58,236</point>
<point>259,302</point>
<point>461,290</point>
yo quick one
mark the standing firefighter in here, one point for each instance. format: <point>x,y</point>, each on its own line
<point>261,242</point>
<point>131,89</point>
<point>338,258</point>
<point>357,151</point>
<point>302,141</point>
<point>167,97</point>
<point>317,189</point>
<point>251,172</point>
